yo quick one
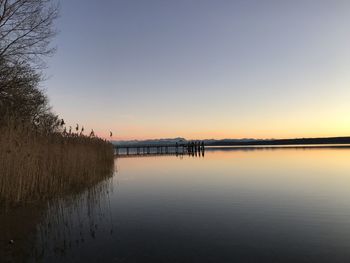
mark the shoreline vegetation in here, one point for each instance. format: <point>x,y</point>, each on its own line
<point>36,166</point>
<point>39,158</point>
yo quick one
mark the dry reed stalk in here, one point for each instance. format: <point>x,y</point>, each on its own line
<point>34,166</point>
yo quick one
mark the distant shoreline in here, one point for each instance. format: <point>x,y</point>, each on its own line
<point>241,142</point>
<point>281,142</point>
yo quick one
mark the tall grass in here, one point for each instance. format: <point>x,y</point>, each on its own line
<point>36,166</point>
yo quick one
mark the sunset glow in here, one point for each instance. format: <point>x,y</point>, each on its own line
<point>204,69</point>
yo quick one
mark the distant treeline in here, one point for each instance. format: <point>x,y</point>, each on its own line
<point>298,141</point>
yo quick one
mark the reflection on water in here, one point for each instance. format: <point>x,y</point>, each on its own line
<point>241,205</point>
<point>71,222</point>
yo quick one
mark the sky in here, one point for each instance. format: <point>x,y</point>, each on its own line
<point>202,68</point>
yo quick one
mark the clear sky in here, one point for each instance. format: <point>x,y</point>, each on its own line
<point>203,68</point>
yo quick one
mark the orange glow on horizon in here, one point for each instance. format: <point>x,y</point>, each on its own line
<point>302,126</point>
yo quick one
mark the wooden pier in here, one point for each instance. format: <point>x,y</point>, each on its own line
<point>190,148</point>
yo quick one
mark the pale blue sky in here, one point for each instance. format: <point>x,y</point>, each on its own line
<point>203,69</point>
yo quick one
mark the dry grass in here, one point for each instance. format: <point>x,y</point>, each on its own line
<point>37,167</point>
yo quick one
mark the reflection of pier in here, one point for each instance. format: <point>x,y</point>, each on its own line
<point>191,148</point>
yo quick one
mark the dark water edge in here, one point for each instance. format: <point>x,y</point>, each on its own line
<point>26,228</point>
<point>18,230</point>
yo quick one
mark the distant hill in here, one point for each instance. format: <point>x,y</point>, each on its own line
<point>241,142</point>
<point>296,141</point>
<point>150,142</point>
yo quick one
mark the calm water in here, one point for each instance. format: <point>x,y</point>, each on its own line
<point>232,205</point>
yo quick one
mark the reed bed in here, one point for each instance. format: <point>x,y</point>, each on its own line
<point>36,166</point>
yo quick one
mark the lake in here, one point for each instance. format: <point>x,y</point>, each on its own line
<point>230,205</point>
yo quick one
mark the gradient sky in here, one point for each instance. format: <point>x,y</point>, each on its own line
<point>203,69</point>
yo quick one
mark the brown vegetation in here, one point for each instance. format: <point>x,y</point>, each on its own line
<point>37,166</point>
<point>39,159</point>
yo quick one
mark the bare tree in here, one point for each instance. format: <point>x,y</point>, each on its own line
<point>20,96</point>
<point>26,28</point>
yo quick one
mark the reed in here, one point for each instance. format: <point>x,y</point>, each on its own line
<point>37,166</point>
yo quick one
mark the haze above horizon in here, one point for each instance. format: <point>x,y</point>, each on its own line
<point>203,69</point>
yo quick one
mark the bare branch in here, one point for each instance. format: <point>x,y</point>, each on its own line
<point>26,28</point>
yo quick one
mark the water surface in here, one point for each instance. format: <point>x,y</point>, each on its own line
<point>232,205</point>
